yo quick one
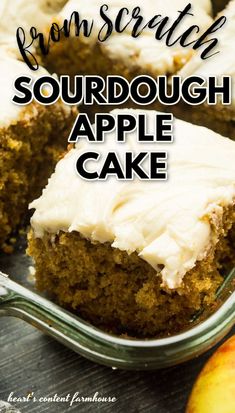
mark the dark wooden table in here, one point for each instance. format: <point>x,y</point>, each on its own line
<point>33,362</point>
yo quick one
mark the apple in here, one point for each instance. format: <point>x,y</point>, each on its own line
<point>214,389</point>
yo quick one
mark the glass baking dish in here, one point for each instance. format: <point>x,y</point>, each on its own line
<point>116,352</point>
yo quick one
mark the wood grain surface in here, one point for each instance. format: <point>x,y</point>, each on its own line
<point>33,362</point>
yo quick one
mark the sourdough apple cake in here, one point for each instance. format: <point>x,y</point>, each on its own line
<point>31,138</point>
<point>122,54</point>
<point>217,117</point>
<point>25,13</point>
<point>139,257</point>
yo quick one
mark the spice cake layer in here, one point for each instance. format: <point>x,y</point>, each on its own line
<point>31,138</point>
<point>139,257</point>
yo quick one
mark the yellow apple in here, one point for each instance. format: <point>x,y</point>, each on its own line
<point>214,390</point>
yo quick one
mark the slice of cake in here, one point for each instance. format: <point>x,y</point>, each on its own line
<point>219,118</point>
<point>31,138</point>
<point>121,53</point>
<point>139,257</point>
<point>25,13</point>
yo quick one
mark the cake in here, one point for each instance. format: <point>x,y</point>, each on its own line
<point>217,117</point>
<point>31,139</point>
<point>219,5</point>
<point>122,54</point>
<point>139,257</point>
<point>24,13</point>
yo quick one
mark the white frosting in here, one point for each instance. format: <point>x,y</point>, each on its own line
<point>167,222</point>
<point>145,51</point>
<point>25,13</point>
<point>10,69</point>
<point>222,63</point>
